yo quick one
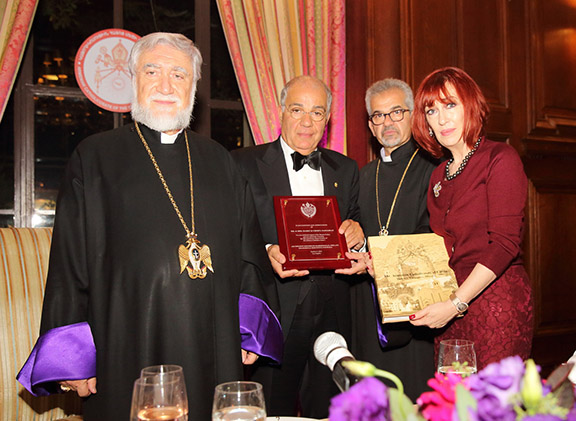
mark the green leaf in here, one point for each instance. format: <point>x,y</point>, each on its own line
<point>464,401</point>
<point>401,407</point>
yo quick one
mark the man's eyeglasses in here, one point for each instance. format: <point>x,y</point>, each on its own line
<point>298,113</point>
<point>379,118</point>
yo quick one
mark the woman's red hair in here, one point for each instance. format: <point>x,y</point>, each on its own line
<point>433,88</point>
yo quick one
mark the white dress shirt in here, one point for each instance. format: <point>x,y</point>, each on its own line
<point>306,182</point>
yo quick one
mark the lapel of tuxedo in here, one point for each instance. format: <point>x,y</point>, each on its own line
<point>330,176</point>
<point>333,178</point>
<point>272,168</point>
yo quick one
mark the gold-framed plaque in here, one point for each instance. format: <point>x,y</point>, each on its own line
<point>308,234</point>
<point>411,272</point>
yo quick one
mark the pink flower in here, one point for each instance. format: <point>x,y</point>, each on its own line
<point>439,405</point>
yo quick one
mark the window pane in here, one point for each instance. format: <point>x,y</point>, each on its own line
<point>144,16</point>
<point>40,220</point>
<point>6,221</point>
<point>223,79</point>
<point>228,128</point>
<point>60,27</point>
<point>60,123</point>
<point>7,158</point>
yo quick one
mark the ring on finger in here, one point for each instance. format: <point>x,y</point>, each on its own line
<point>65,388</point>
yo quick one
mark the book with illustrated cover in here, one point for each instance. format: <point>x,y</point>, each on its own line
<point>411,272</point>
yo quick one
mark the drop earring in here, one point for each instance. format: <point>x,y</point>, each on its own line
<point>430,132</point>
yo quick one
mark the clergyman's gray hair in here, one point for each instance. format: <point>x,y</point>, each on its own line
<point>385,85</point>
<point>177,41</point>
<point>284,92</point>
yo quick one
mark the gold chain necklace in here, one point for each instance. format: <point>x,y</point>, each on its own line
<point>384,229</point>
<point>193,256</point>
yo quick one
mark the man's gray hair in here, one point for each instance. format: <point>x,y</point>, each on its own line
<point>284,92</point>
<point>385,85</point>
<point>177,41</point>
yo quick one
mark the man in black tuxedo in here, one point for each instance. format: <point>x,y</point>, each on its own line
<point>311,303</point>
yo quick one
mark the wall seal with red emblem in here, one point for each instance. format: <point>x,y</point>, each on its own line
<point>101,68</point>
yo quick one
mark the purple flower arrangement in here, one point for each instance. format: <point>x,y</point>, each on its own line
<point>510,389</point>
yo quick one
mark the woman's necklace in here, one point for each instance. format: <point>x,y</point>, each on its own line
<point>384,229</point>
<point>193,256</point>
<point>462,164</point>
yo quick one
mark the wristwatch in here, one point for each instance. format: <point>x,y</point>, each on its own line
<point>461,306</point>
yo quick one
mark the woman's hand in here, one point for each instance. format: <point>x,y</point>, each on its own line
<point>435,316</point>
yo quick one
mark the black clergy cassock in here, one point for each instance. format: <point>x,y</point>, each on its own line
<point>114,263</point>
<point>409,353</point>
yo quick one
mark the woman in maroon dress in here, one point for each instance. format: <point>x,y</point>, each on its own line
<point>476,203</point>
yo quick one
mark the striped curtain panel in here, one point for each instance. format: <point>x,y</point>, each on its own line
<point>24,254</point>
<point>16,19</point>
<point>272,41</point>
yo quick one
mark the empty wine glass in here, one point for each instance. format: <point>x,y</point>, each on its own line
<point>160,394</point>
<point>239,401</point>
<point>457,356</point>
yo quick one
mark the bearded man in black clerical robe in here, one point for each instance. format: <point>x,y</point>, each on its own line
<point>157,254</point>
<point>392,199</point>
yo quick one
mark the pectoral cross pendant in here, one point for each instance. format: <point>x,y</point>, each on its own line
<point>195,258</point>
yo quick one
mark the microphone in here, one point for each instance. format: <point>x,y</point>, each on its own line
<point>330,349</point>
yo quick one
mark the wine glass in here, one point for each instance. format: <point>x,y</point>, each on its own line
<point>159,394</point>
<point>457,356</point>
<point>235,401</point>
<point>164,372</point>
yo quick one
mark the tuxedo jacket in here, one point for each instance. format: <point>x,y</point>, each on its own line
<point>264,167</point>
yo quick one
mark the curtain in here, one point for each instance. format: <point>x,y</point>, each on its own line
<point>16,19</point>
<point>272,41</point>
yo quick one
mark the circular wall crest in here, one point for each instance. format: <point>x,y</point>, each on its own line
<point>101,68</point>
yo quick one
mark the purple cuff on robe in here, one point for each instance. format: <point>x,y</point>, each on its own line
<point>63,353</point>
<point>259,328</point>
<point>382,338</point>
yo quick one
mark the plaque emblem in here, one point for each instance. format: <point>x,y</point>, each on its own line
<point>308,210</point>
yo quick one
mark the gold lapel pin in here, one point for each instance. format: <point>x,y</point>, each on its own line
<point>335,184</point>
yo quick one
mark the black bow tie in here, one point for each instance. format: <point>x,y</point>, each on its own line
<point>313,160</point>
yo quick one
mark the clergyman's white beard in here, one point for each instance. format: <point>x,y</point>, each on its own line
<point>161,122</point>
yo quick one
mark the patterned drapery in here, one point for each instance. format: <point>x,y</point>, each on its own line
<point>16,19</point>
<point>272,41</point>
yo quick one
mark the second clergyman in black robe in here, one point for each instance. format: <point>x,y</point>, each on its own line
<point>409,352</point>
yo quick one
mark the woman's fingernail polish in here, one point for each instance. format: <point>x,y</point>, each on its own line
<point>412,317</point>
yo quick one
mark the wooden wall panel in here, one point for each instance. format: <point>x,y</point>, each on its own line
<point>552,266</point>
<point>357,41</point>
<point>482,29</point>
<point>430,30</point>
<point>549,143</point>
<point>555,228</point>
<point>553,65</point>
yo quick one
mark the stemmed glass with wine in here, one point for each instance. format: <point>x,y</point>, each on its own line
<point>235,401</point>
<point>160,394</point>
